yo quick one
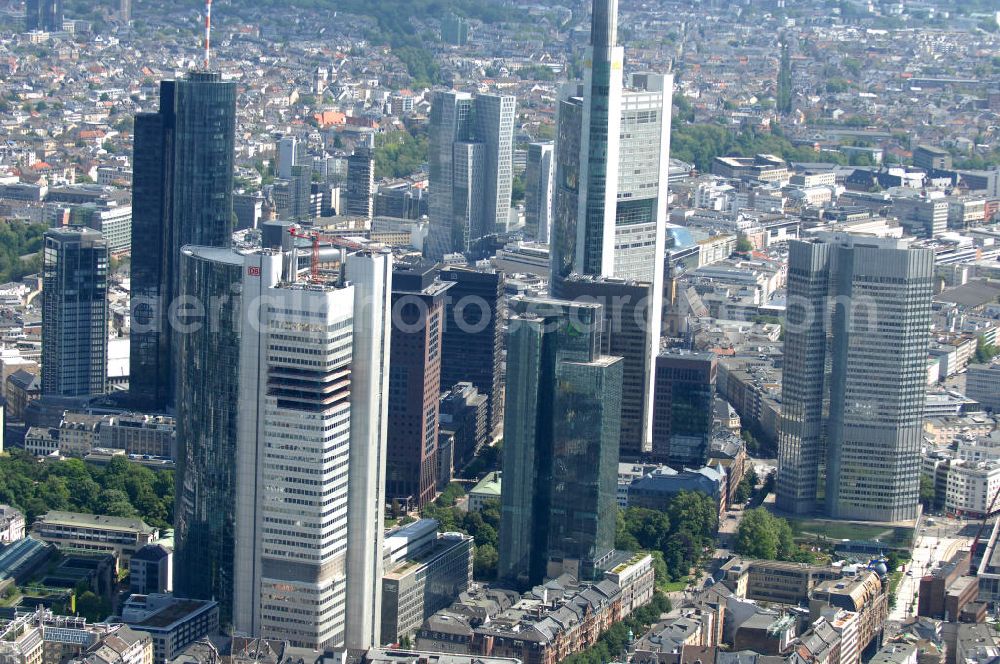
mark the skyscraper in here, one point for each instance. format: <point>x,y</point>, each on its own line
<point>539,179</point>
<point>46,15</point>
<point>415,382</point>
<point>182,194</point>
<point>560,444</point>
<point>312,445</point>
<point>359,189</point>
<point>854,380</point>
<point>290,153</point>
<point>610,211</point>
<point>473,335</point>
<point>471,168</point>
<point>683,408</point>
<point>281,468</point>
<point>208,382</point>
<point>74,313</point>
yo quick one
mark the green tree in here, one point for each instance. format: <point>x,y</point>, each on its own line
<point>762,535</point>
<point>985,352</point>
<point>92,607</point>
<point>484,563</point>
<point>927,493</point>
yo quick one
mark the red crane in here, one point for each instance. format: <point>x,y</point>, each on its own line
<point>316,237</point>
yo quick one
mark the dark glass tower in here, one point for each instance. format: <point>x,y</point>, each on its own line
<point>74,313</point>
<point>182,194</point>
<point>208,359</point>
<point>682,408</point>
<point>473,335</point>
<point>560,443</point>
<point>44,15</point>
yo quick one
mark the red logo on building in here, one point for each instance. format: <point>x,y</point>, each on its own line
<point>253,271</point>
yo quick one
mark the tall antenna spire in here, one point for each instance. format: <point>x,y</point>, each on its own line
<point>208,30</point>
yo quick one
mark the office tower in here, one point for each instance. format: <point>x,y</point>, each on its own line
<point>359,189</point>
<point>182,194</point>
<point>208,354</point>
<point>45,15</point>
<point>415,382</point>
<point>560,444</point>
<point>854,379</point>
<point>473,335</point>
<point>291,151</point>
<point>609,220</point>
<point>626,333</point>
<point>471,168</point>
<point>539,180</point>
<point>125,10</point>
<point>293,197</point>
<point>683,408</point>
<point>74,313</point>
<point>312,445</point>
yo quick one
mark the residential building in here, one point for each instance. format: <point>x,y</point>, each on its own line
<point>21,388</point>
<point>471,168</point>
<point>424,580</point>
<point>473,336</point>
<point>11,525</point>
<point>74,313</point>
<point>136,433</point>
<point>418,320</point>
<point>182,193</point>
<point>560,443</point>
<point>172,622</point>
<point>539,183</point>
<point>683,408</point>
<point>854,406</point>
<point>120,536</point>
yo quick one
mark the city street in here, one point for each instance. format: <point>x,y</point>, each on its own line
<point>932,543</point>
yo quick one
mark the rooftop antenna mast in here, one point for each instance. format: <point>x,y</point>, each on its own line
<point>208,30</point>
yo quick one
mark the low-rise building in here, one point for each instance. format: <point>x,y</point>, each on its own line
<point>151,570</point>
<point>489,488</point>
<point>982,383</point>
<point>11,524</point>
<point>172,622</point>
<point>423,580</point>
<point>42,637</point>
<point>118,535</point>
<point>390,656</point>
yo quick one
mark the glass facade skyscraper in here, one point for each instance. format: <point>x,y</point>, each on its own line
<point>471,168</point>
<point>182,195</point>
<point>857,334</point>
<point>610,200</point>
<point>208,353</point>
<point>561,434</point>
<point>74,313</point>
<point>683,408</point>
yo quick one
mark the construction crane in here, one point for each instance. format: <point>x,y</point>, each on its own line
<point>316,237</point>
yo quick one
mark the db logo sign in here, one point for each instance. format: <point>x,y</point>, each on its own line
<point>253,271</point>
